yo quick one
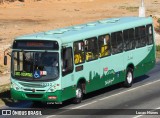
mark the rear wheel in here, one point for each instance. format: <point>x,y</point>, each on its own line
<point>79,94</point>
<point>129,78</point>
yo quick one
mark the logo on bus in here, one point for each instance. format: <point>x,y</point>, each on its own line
<point>106,69</point>
<point>107,82</point>
<point>37,74</point>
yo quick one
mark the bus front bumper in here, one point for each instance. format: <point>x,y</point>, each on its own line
<point>35,96</point>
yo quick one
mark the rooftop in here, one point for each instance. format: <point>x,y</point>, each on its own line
<point>87,30</point>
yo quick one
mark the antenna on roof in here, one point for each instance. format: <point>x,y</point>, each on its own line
<point>142,9</point>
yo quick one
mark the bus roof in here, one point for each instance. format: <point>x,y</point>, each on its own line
<point>88,30</point>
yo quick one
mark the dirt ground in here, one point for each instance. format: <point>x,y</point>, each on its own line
<point>20,18</point>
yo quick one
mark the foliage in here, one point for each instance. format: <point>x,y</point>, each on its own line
<point>158,48</point>
<point>129,8</point>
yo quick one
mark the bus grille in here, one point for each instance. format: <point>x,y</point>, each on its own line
<point>37,85</point>
<point>34,95</point>
<point>31,90</point>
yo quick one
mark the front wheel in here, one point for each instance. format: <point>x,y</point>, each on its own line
<point>79,94</point>
<point>129,78</point>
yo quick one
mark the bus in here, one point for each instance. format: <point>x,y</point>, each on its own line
<point>66,63</point>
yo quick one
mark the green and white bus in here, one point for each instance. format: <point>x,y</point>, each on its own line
<point>66,63</point>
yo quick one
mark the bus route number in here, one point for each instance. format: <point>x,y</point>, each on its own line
<point>47,84</point>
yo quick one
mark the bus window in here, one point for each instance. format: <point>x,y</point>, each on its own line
<point>128,36</point>
<point>143,35</point>
<point>91,49</point>
<point>149,34</point>
<point>131,37</point>
<point>67,61</point>
<point>116,42</point>
<point>104,45</point>
<point>137,37</point>
<point>79,56</point>
<point>18,61</point>
<point>140,36</point>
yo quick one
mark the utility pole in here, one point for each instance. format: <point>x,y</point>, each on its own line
<point>142,9</point>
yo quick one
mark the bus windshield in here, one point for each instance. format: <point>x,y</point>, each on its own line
<point>35,66</point>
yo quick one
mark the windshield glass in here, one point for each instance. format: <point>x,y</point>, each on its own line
<point>35,65</point>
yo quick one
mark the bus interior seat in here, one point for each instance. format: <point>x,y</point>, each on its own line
<point>77,58</point>
<point>104,51</point>
<point>89,56</point>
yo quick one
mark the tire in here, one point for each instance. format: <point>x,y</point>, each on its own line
<point>79,94</point>
<point>129,78</point>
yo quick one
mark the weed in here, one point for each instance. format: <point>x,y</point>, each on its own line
<point>131,9</point>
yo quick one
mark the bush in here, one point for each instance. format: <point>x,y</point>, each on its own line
<point>158,48</point>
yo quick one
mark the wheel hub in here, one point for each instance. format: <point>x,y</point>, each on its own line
<point>78,93</point>
<point>129,77</point>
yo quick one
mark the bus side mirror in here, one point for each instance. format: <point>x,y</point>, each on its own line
<point>5,60</point>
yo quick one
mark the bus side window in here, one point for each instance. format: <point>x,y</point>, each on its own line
<point>143,36</point>
<point>140,36</point>
<point>131,38</point>
<point>128,36</point>
<point>91,49</point>
<point>117,42</point>
<point>137,37</point>
<point>104,45</point>
<point>67,61</point>
<point>79,55</point>
<point>149,32</point>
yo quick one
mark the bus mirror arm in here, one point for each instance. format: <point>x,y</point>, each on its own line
<point>5,60</point>
<point>6,52</point>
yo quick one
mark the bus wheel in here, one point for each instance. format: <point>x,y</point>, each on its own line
<point>79,94</point>
<point>129,78</point>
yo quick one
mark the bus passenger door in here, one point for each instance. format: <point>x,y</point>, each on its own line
<point>67,80</point>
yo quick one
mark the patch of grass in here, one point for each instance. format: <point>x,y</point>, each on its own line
<point>155,1</point>
<point>158,48</point>
<point>122,7</point>
<point>131,9</point>
<point>158,51</point>
<point>158,54</point>
<point>151,10</point>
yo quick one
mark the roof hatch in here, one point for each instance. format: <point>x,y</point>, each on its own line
<point>109,20</point>
<point>78,27</point>
<point>61,31</point>
<point>91,24</point>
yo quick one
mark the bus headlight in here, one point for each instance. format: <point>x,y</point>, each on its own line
<point>15,86</point>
